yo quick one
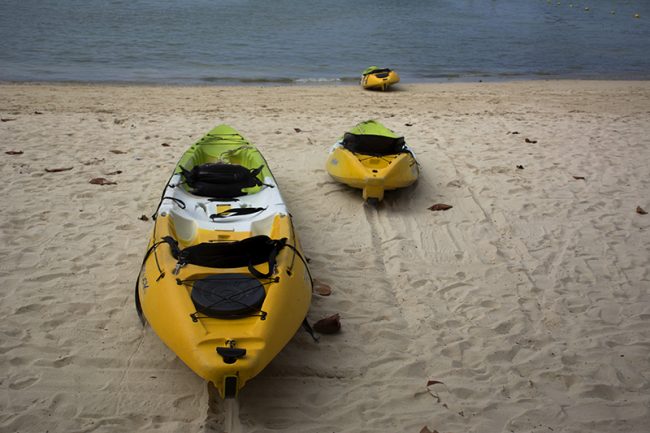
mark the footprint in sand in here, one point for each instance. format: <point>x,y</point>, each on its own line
<point>23,382</point>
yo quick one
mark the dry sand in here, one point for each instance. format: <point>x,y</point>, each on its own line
<point>527,304</point>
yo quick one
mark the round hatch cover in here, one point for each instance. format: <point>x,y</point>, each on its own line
<point>228,295</point>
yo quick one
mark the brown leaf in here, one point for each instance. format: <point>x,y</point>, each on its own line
<point>579,178</point>
<point>117,152</point>
<point>439,206</point>
<point>143,217</point>
<point>38,112</point>
<point>328,325</point>
<point>434,382</point>
<point>640,210</point>
<point>102,181</point>
<point>6,119</point>
<point>531,141</point>
<point>520,167</point>
<point>408,124</point>
<point>297,129</point>
<point>322,288</point>
<point>14,152</point>
<point>112,173</point>
<point>425,429</point>
<point>165,144</point>
<point>513,132</point>
<point>56,170</point>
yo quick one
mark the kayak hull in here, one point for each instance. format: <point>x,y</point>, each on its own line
<point>372,158</point>
<point>372,175</point>
<point>379,79</point>
<point>225,350</point>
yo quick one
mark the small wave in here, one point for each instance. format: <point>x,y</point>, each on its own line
<point>317,80</point>
<point>278,80</point>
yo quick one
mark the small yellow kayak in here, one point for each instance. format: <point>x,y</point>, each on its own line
<point>378,78</point>
<point>374,159</point>
<point>224,283</point>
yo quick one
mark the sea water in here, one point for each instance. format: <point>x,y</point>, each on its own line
<point>297,41</point>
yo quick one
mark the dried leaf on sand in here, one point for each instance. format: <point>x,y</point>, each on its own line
<point>14,152</point>
<point>143,217</point>
<point>434,382</point>
<point>328,325</point>
<point>439,206</point>
<point>640,210</point>
<point>579,178</point>
<point>322,288</point>
<point>117,151</point>
<point>102,181</point>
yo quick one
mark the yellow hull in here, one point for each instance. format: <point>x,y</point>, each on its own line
<point>170,312</point>
<point>225,349</point>
<point>372,174</point>
<point>379,81</point>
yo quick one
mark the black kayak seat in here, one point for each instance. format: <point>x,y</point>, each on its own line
<point>220,179</point>
<point>247,252</point>
<point>375,145</point>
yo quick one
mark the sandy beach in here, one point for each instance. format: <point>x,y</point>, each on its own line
<point>523,308</point>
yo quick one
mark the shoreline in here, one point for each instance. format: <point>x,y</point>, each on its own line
<point>524,307</point>
<point>335,82</point>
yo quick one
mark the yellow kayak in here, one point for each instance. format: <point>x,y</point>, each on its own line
<point>224,283</point>
<point>378,78</point>
<point>374,159</point>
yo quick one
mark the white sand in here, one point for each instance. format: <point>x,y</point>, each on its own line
<point>529,299</point>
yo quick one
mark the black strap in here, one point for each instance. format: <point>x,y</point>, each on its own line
<point>173,244</point>
<point>223,199</point>
<point>279,244</point>
<point>138,305</point>
<point>236,212</point>
<point>307,327</point>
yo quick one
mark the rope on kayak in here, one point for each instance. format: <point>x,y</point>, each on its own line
<point>296,252</point>
<point>162,197</point>
<point>305,323</point>
<point>152,249</point>
<point>178,201</point>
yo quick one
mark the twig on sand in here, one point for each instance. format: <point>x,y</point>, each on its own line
<point>57,170</point>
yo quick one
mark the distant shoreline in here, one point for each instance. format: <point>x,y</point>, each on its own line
<point>328,82</point>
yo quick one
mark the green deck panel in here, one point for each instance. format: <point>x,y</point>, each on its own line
<point>225,144</point>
